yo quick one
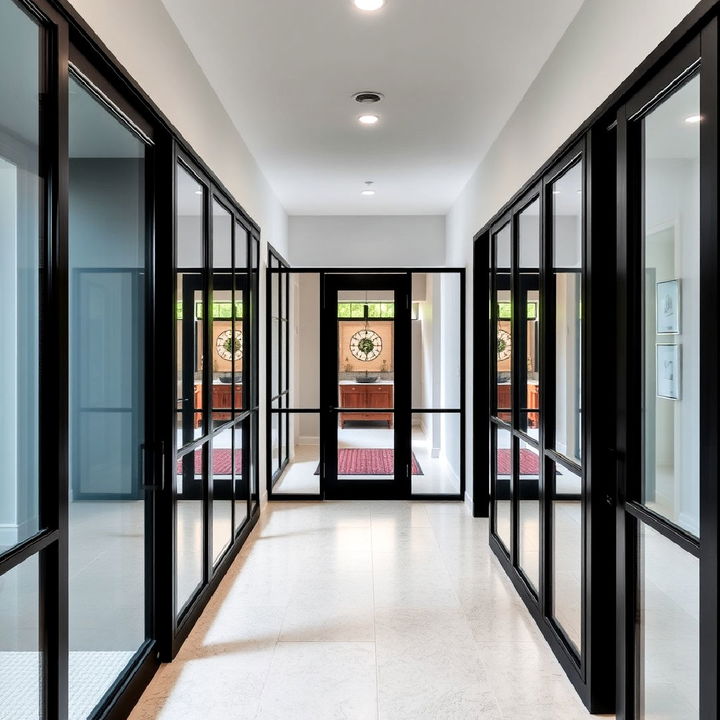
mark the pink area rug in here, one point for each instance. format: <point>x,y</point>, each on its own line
<point>369,461</point>
<point>529,462</point>
<point>221,462</point>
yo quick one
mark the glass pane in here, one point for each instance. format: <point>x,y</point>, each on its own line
<point>503,330</point>
<point>436,454</point>
<point>567,219</point>
<point>226,345</point>
<point>241,248</point>
<point>503,478</point>
<point>568,365</point>
<point>222,471</point>
<point>242,343</point>
<point>276,350</point>
<point>302,474</point>
<point>240,436</point>
<point>436,338</point>
<point>20,652</point>
<point>108,248</point>
<point>189,527</point>
<point>254,471</point>
<point>304,332</point>
<point>529,513</point>
<point>668,629</point>
<point>671,338</point>
<point>20,272</point>
<point>189,223</point>
<point>529,308</point>
<point>567,545</point>
<point>366,447</point>
<point>275,442</point>
<point>529,237</point>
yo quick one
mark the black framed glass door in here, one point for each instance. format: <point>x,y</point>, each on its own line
<point>667,464</point>
<point>365,387</point>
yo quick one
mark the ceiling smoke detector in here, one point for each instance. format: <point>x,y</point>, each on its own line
<point>368,97</point>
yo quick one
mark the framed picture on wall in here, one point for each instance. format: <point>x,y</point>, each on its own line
<point>668,371</point>
<point>667,307</point>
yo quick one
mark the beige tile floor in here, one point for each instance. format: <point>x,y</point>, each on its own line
<point>364,610</point>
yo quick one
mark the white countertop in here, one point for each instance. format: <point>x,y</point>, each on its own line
<point>377,382</point>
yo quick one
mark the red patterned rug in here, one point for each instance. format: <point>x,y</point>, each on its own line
<point>369,461</point>
<point>220,462</point>
<point>529,462</point>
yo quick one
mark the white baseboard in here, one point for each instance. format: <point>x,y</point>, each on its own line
<point>308,440</point>
<point>8,534</point>
<point>12,534</point>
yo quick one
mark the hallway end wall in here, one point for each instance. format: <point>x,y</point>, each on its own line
<point>366,240</point>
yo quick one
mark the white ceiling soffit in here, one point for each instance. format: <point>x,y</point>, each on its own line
<point>452,72</point>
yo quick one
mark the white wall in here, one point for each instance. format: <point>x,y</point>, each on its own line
<point>604,43</point>
<point>145,40</point>
<point>375,240</point>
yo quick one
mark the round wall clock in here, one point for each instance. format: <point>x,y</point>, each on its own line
<point>224,344</point>
<point>366,345</point>
<point>504,345</point>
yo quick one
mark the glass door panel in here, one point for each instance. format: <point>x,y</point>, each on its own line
<point>366,387</point>
<point>671,338</point>
<point>190,221</point>
<point>567,546</point>
<point>529,513</point>
<point>503,481</point>
<point>503,324</point>
<point>21,274</point>
<point>367,323</point>
<point>108,254</point>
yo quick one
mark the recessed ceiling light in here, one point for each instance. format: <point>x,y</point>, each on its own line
<point>556,192</point>
<point>368,5</point>
<point>198,192</point>
<point>368,119</point>
<point>367,192</point>
<point>692,119</point>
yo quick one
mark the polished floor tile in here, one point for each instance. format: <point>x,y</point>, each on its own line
<point>390,610</point>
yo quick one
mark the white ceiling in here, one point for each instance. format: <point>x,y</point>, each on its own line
<point>452,72</point>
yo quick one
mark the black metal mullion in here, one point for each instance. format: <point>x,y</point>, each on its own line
<point>710,349</point>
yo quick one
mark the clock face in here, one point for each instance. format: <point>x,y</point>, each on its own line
<point>504,345</point>
<point>366,345</point>
<point>224,345</point>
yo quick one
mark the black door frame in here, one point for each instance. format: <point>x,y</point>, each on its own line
<point>400,486</point>
<point>280,267</point>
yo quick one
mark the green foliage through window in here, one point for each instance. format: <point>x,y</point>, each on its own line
<point>505,311</point>
<point>221,311</point>
<point>376,310</point>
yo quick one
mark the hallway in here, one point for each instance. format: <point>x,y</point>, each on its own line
<point>362,610</point>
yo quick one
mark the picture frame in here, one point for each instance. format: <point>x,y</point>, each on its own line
<point>667,307</point>
<point>668,371</point>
